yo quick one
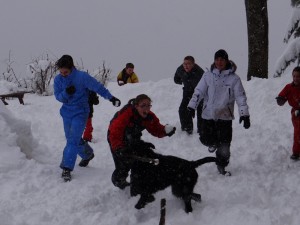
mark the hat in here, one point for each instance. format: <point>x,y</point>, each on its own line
<point>221,54</point>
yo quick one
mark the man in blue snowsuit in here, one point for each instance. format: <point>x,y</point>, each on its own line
<point>71,87</point>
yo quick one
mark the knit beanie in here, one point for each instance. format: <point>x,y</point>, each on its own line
<point>221,54</point>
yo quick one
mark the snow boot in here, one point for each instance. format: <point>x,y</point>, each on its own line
<point>85,162</point>
<point>66,174</point>
<point>189,131</point>
<point>144,200</point>
<point>222,171</point>
<point>295,156</point>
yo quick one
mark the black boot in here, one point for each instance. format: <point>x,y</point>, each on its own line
<point>122,184</point>
<point>222,171</point>
<point>66,174</point>
<point>85,162</point>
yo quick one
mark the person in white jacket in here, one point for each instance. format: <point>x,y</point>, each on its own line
<point>220,88</point>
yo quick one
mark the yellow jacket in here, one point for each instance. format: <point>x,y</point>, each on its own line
<point>121,79</point>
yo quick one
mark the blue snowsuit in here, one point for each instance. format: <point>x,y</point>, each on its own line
<point>75,111</point>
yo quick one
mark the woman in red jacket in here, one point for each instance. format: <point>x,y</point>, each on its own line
<point>125,131</point>
<point>291,93</point>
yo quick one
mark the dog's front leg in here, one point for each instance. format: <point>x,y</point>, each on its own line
<point>188,204</point>
<point>144,200</point>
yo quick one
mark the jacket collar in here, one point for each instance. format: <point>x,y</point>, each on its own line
<point>223,72</point>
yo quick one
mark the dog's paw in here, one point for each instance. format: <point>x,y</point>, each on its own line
<point>196,197</point>
<point>144,200</point>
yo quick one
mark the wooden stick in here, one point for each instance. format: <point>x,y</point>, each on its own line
<point>162,211</point>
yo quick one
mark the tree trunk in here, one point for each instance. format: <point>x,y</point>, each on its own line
<point>258,40</point>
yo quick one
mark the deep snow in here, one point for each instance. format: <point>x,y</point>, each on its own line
<point>263,188</point>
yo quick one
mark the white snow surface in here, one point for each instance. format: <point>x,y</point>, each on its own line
<point>263,189</point>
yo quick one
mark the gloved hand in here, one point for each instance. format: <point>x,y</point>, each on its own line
<point>170,130</point>
<point>191,111</point>
<point>280,100</point>
<point>246,120</point>
<point>70,90</point>
<point>297,113</point>
<point>116,102</point>
<point>148,145</point>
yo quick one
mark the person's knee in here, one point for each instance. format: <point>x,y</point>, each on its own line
<point>224,150</point>
<point>223,154</point>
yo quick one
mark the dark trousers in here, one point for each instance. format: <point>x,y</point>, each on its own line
<point>122,168</point>
<point>217,133</point>
<point>186,119</point>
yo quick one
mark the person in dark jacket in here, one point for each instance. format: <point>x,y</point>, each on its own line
<point>188,74</point>
<point>71,87</point>
<point>125,131</point>
<point>88,131</point>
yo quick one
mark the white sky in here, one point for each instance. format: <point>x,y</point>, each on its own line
<point>154,35</point>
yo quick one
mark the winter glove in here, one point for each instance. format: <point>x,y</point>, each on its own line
<point>70,90</point>
<point>280,100</point>
<point>116,102</point>
<point>170,130</point>
<point>246,120</point>
<point>297,113</point>
<point>191,112</point>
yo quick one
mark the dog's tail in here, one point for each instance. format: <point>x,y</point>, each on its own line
<point>204,160</point>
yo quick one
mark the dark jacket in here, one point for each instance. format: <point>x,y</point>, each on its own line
<point>93,100</point>
<point>189,80</point>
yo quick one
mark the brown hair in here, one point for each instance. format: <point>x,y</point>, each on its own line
<point>296,69</point>
<point>189,58</point>
<point>129,65</point>
<point>138,99</point>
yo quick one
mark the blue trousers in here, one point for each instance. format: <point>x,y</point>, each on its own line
<point>74,124</point>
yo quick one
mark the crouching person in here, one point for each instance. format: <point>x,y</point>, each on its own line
<point>125,130</point>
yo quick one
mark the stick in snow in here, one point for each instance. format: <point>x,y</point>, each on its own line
<point>162,211</point>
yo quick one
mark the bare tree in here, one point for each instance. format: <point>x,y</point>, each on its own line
<point>258,38</point>
<point>10,75</point>
<point>43,71</point>
<point>102,74</point>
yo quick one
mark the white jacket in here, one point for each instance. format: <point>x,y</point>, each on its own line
<point>220,91</point>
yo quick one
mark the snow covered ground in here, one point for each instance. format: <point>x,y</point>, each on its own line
<point>263,189</point>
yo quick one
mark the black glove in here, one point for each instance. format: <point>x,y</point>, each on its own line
<point>70,90</point>
<point>149,145</point>
<point>191,112</point>
<point>116,102</point>
<point>170,130</point>
<point>246,120</point>
<point>280,100</point>
<point>297,113</point>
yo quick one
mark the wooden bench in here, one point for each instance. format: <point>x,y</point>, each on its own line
<point>19,95</point>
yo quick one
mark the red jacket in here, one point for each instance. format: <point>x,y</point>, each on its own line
<point>292,94</point>
<point>127,125</point>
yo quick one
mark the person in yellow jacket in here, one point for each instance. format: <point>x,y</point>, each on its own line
<point>127,75</point>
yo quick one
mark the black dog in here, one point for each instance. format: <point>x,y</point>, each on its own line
<point>147,178</point>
